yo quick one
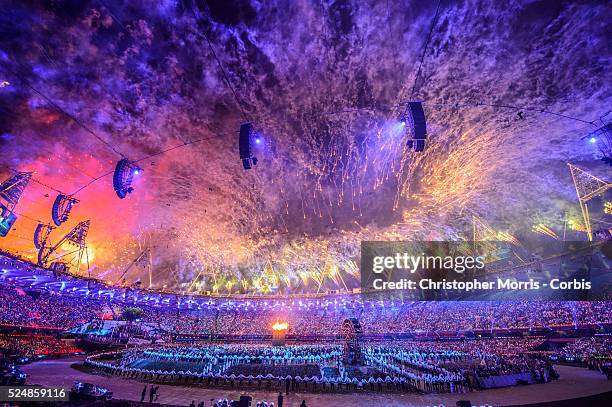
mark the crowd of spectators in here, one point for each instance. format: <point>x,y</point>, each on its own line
<point>408,317</point>
<point>35,345</point>
<point>45,310</point>
<point>506,347</point>
<point>48,309</point>
<point>588,348</point>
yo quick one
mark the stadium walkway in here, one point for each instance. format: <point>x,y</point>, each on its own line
<point>574,382</point>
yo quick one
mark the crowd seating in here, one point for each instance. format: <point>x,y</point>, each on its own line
<point>41,309</point>
<point>21,308</point>
<point>585,348</point>
<point>35,345</point>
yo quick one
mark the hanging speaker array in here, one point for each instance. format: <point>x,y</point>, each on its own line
<point>246,141</point>
<point>123,177</point>
<point>61,208</point>
<point>414,118</point>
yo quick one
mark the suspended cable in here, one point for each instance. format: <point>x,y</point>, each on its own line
<point>350,110</point>
<point>29,217</point>
<point>91,182</point>
<point>35,180</point>
<point>78,169</point>
<point>124,28</point>
<point>433,24</point>
<point>225,77</point>
<point>187,143</point>
<point>45,185</point>
<point>151,156</point>
<point>528,109</point>
<point>383,108</point>
<point>66,162</point>
<point>69,115</point>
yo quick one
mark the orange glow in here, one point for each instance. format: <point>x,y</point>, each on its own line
<point>89,256</point>
<point>280,326</point>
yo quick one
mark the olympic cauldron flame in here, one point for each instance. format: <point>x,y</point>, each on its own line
<point>280,326</point>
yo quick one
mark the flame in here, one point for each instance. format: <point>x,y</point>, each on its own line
<point>280,326</point>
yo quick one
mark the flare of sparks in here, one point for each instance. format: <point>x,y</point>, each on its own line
<point>280,326</point>
<point>295,224</point>
<point>544,230</point>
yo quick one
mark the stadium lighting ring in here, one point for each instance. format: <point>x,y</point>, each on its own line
<point>123,177</point>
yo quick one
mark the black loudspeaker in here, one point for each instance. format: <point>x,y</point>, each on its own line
<point>463,403</point>
<point>244,143</point>
<point>244,146</point>
<point>416,118</point>
<point>245,401</point>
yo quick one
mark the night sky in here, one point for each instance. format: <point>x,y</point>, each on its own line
<point>323,83</point>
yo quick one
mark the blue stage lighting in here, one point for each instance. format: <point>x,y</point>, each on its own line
<point>592,140</point>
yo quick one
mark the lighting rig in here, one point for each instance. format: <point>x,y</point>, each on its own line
<point>587,187</point>
<point>11,190</point>
<point>69,250</point>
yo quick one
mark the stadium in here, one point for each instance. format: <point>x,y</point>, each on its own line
<point>312,203</point>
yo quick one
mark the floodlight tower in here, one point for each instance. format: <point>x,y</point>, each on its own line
<point>587,187</point>
<point>11,190</point>
<point>70,249</point>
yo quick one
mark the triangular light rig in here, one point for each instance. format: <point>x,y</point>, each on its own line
<point>69,252</point>
<point>11,190</point>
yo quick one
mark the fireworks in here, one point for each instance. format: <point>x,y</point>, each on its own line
<point>334,169</point>
<point>544,230</point>
<point>576,225</point>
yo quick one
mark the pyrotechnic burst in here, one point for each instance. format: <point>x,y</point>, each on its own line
<point>333,167</point>
<point>544,230</point>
